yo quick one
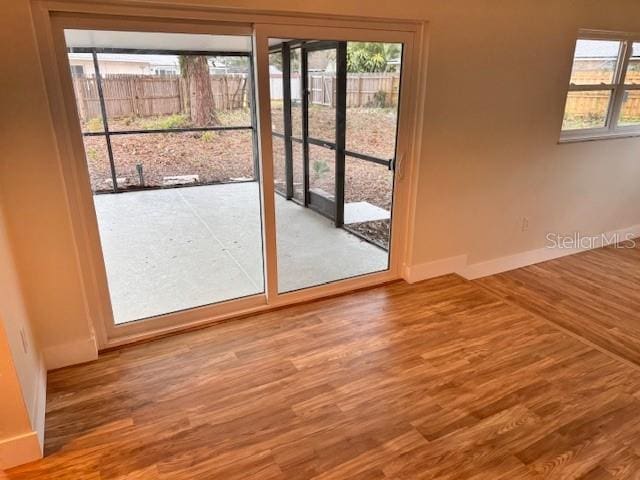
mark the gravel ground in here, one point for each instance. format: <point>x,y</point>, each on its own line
<point>227,156</point>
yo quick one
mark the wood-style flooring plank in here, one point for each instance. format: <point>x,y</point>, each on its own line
<point>593,294</point>
<point>442,379</point>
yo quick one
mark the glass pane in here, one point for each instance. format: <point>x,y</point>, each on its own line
<point>372,97</point>
<point>311,249</point>
<point>594,62</point>
<point>86,92</point>
<point>586,109</point>
<point>165,248</point>
<point>633,69</point>
<point>186,158</point>
<point>95,150</point>
<point>630,111</point>
<point>322,87</point>
<point>368,196</point>
<point>161,92</point>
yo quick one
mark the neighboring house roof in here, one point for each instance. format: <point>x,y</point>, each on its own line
<point>152,60</point>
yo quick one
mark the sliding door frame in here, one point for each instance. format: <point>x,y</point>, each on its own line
<point>402,188</point>
<point>52,17</point>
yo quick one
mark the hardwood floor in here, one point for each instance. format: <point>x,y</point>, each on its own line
<point>594,294</point>
<point>442,379</point>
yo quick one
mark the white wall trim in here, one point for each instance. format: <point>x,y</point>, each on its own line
<point>531,257</point>
<point>40,404</point>
<point>20,449</point>
<point>423,271</point>
<point>512,262</point>
<point>72,353</point>
<point>459,265</point>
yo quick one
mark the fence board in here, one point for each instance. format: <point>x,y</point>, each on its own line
<point>151,95</point>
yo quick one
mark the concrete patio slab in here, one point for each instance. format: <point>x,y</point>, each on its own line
<point>173,249</point>
<point>358,212</point>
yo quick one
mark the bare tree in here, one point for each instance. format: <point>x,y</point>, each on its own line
<point>195,71</point>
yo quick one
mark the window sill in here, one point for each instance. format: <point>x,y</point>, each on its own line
<point>575,137</point>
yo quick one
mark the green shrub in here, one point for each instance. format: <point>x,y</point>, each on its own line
<point>166,122</point>
<point>320,167</point>
<point>94,124</point>
<point>92,153</point>
<point>208,136</point>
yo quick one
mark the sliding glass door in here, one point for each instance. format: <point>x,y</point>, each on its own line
<point>342,98</point>
<point>226,169</point>
<point>169,139</point>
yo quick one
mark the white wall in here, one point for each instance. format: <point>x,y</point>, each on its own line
<point>22,372</point>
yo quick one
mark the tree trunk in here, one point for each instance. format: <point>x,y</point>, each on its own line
<point>201,103</point>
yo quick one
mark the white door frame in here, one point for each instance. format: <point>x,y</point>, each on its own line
<point>262,33</point>
<point>52,17</point>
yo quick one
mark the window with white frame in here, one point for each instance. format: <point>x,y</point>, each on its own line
<point>604,90</point>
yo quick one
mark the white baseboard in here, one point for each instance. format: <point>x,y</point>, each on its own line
<point>459,265</point>
<point>72,353</point>
<point>426,270</point>
<point>40,404</point>
<point>512,262</point>
<point>20,449</point>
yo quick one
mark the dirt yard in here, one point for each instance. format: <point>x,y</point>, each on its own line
<point>224,156</point>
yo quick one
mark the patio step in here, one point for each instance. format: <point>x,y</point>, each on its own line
<point>179,180</point>
<point>358,212</point>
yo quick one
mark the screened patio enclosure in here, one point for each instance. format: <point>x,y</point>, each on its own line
<point>168,247</point>
<point>321,125</point>
<point>130,92</point>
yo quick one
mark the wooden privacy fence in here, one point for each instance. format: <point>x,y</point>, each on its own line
<point>150,95</point>
<point>585,104</point>
<point>363,89</point>
<point>597,77</point>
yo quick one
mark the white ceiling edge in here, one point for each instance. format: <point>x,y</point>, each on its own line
<point>157,41</point>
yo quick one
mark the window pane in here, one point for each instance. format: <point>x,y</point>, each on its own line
<point>193,158</point>
<point>170,249</point>
<point>633,70</point>
<point>586,109</point>
<point>630,111</point>
<point>594,62</point>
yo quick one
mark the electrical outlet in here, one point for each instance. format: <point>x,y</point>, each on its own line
<point>25,344</point>
<point>525,224</point>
